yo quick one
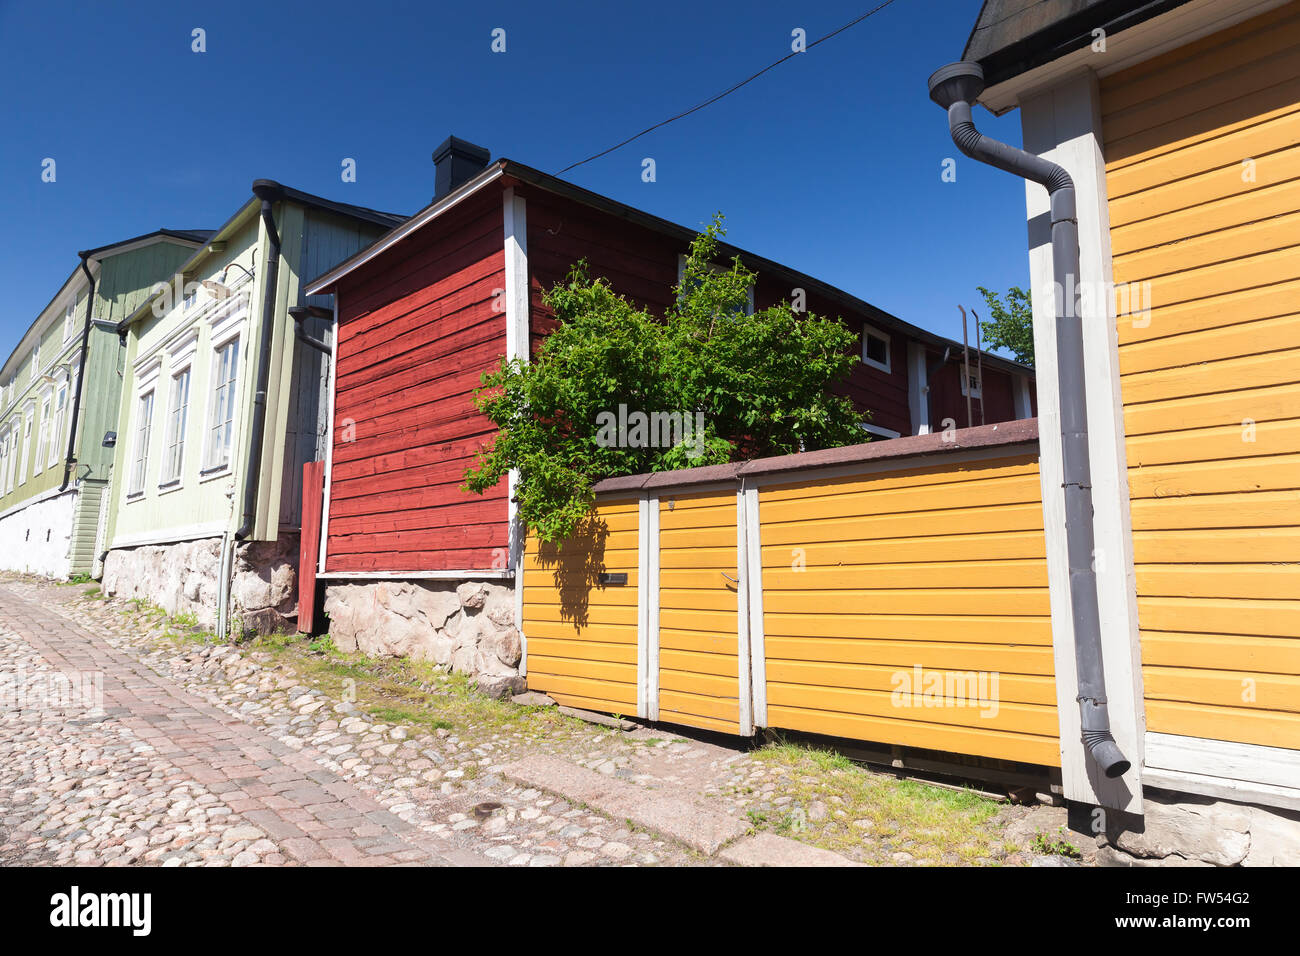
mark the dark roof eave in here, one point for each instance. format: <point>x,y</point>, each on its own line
<point>535,177</point>
<point>1061,37</point>
<point>286,192</point>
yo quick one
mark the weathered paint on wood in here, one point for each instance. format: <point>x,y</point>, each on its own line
<point>313,491</point>
<point>582,635</point>
<point>416,332</point>
<point>1202,151</point>
<point>868,579</point>
<point>698,637</point>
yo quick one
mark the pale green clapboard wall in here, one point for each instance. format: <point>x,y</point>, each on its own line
<point>123,281</point>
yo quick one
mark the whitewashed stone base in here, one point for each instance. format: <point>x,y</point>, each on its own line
<point>1185,830</point>
<point>467,627</point>
<point>184,578</point>
<point>37,539</point>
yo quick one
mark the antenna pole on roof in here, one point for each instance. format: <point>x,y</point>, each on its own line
<point>965,366</point>
<point>979,361</point>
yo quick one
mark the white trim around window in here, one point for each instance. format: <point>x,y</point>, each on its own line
<point>178,415</point>
<point>220,417</point>
<point>880,432</point>
<point>873,336</point>
<point>140,443</point>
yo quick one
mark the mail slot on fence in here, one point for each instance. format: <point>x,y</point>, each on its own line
<point>607,577</point>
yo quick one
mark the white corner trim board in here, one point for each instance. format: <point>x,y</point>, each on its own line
<point>1063,125</point>
<point>329,442</point>
<point>515,223</point>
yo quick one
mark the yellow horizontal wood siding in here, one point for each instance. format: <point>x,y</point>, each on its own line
<point>942,568</point>
<point>699,642</point>
<point>582,636</point>
<point>1202,149</point>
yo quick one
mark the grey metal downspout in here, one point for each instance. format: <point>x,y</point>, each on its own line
<point>955,87</point>
<point>71,459</point>
<point>268,192</point>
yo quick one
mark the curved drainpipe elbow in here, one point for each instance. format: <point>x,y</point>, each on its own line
<point>956,87</point>
<point>70,460</point>
<point>269,193</point>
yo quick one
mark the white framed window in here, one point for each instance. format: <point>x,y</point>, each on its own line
<point>875,349</point>
<point>36,359</point>
<point>178,411</point>
<point>24,449</point>
<point>191,298</point>
<point>221,406</point>
<point>970,384</point>
<point>714,267</point>
<point>56,428</point>
<point>143,433</point>
<point>42,437</point>
<point>879,431</point>
<point>5,462</point>
<point>69,320</point>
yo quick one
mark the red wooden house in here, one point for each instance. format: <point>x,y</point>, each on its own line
<point>425,310</point>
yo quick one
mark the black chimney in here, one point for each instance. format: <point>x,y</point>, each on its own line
<point>456,161</point>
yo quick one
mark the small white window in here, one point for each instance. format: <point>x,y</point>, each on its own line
<point>143,432</point>
<point>177,418</point>
<point>36,360</point>
<point>221,415</point>
<point>970,384</point>
<point>69,321</point>
<point>875,348</point>
<point>191,297</point>
<point>42,438</point>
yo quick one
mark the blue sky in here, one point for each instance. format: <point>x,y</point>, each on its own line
<point>830,163</point>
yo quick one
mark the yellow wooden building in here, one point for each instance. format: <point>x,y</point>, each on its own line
<point>799,593</point>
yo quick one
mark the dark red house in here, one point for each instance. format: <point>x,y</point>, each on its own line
<point>425,310</point>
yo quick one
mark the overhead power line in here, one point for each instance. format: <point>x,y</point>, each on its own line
<point>727,92</point>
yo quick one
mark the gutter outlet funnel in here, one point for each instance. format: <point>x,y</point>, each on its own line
<point>955,87</point>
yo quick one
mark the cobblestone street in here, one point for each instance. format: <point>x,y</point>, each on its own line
<point>213,755</point>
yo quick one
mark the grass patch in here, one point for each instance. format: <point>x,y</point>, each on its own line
<point>418,693</point>
<point>1057,845</point>
<point>870,816</point>
<point>407,715</point>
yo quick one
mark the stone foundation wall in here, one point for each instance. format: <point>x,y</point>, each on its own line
<point>467,627</point>
<point>1179,829</point>
<point>184,578</point>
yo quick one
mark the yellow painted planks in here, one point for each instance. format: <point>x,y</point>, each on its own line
<point>868,578</point>
<point>582,636</point>
<point>698,637</point>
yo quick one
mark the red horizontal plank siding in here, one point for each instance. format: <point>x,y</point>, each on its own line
<point>419,326</point>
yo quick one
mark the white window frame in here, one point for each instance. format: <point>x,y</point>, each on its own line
<point>69,320</point>
<point>140,441</point>
<point>175,434</point>
<point>24,445</point>
<point>43,436</point>
<point>61,394</point>
<point>888,365</point>
<point>977,391</point>
<point>716,267</point>
<point>5,462</point>
<point>212,468</point>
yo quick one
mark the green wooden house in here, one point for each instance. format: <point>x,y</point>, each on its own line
<point>225,398</point>
<point>59,396</point>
